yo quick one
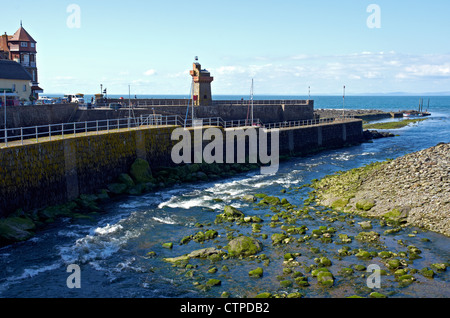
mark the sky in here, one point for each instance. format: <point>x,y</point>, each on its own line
<point>285,46</point>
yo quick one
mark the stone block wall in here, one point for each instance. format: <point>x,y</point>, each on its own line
<point>49,173</point>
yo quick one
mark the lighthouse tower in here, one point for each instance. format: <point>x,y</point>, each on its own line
<point>201,85</point>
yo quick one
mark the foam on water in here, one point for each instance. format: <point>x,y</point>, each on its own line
<point>165,220</point>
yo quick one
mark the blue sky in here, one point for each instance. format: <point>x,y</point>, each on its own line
<point>284,45</point>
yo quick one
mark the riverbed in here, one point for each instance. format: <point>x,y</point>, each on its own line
<point>120,251</point>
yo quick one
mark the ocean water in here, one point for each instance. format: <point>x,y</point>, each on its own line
<point>111,248</point>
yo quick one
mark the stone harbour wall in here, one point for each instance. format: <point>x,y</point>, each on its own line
<point>47,173</point>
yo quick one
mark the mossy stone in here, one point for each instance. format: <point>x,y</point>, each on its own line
<point>232,212</point>
<point>140,171</point>
<point>258,272</point>
<point>269,200</point>
<point>126,179</point>
<point>286,283</point>
<point>117,188</point>
<point>16,229</point>
<point>426,272</point>
<point>213,282</point>
<point>365,204</point>
<point>368,236</point>
<point>244,246</point>
<point>340,204</point>
<point>325,278</point>
<point>440,267</point>
<point>278,238</point>
<point>393,264</point>
<point>168,245</point>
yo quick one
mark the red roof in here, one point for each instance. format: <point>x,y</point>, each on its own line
<point>22,35</point>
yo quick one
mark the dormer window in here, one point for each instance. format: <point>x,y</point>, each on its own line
<point>23,44</point>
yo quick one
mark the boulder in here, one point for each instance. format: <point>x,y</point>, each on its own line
<point>249,198</point>
<point>140,171</point>
<point>203,253</point>
<point>126,179</point>
<point>258,272</point>
<point>270,200</point>
<point>365,204</point>
<point>16,229</point>
<point>232,212</point>
<point>243,246</point>
<point>117,188</point>
<point>278,238</point>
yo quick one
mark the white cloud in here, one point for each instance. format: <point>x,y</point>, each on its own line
<point>150,72</point>
<point>428,70</point>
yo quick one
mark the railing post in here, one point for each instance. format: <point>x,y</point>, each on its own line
<point>96,124</point>
<point>74,129</point>
<point>50,132</point>
<point>21,135</point>
<point>107,125</point>
<point>62,131</point>
<point>85,128</point>
<point>37,137</point>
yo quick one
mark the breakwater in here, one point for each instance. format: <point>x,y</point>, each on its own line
<point>48,173</point>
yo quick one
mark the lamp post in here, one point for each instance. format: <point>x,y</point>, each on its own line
<point>343,105</point>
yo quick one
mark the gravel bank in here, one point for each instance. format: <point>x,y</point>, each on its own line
<point>411,190</point>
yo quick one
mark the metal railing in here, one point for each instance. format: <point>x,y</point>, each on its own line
<point>261,102</point>
<point>22,135</point>
<point>299,123</point>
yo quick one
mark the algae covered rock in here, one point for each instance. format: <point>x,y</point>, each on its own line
<point>368,236</point>
<point>213,282</point>
<point>249,198</point>
<point>257,273</point>
<point>230,214</point>
<point>117,188</point>
<point>167,245</point>
<point>278,238</point>
<point>244,246</point>
<point>365,204</point>
<point>16,229</point>
<point>126,179</point>
<point>202,253</point>
<point>268,200</point>
<point>393,264</point>
<point>340,204</point>
<point>324,276</point>
<point>396,216</point>
<point>140,171</point>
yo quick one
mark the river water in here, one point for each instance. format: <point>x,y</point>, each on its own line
<point>111,248</point>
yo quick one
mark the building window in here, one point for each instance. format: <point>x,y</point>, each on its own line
<point>32,44</point>
<point>24,88</point>
<point>14,88</point>
<point>23,44</point>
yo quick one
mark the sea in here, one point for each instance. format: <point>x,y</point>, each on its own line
<point>112,249</point>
